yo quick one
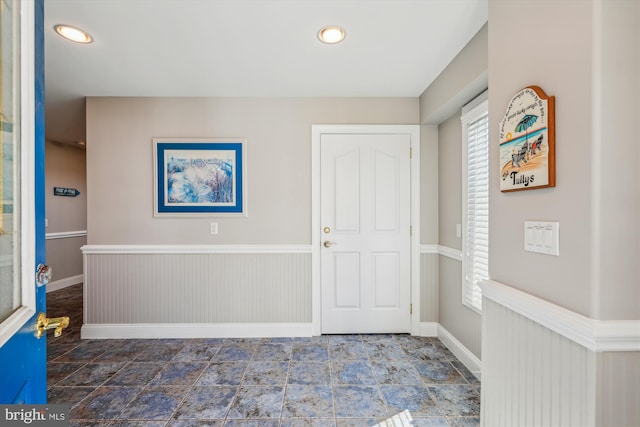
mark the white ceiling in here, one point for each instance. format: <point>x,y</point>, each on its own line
<point>247,48</point>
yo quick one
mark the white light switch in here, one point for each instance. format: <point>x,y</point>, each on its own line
<point>213,228</point>
<point>542,237</point>
<point>458,230</point>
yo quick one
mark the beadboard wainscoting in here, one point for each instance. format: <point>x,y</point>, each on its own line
<point>542,364</point>
<point>429,288</point>
<point>196,291</point>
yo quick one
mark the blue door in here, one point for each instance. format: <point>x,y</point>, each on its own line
<point>22,247</point>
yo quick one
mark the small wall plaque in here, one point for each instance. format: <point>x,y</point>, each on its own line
<point>68,192</point>
<point>527,142</point>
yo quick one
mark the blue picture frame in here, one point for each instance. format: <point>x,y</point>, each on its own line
<point>199,176</point>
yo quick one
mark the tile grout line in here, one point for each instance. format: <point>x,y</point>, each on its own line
<point>462,390</point>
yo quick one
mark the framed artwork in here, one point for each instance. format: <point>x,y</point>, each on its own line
<point>205,177</point>
<point>527,142</point>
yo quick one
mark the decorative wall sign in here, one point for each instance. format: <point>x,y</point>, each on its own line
<point>527,142</point>
<point>200,176</point>
<point>68,192</point>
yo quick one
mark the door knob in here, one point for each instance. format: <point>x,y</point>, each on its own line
<point>43,274</point>
<point>57,323</point>
<point>327,243</point>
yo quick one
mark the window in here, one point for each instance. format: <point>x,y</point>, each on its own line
<point>475,200</point>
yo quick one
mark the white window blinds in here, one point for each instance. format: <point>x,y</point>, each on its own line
<point>475,216</point>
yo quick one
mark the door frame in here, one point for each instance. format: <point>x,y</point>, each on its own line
<point>316,283</point>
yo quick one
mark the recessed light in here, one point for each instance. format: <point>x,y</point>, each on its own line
<point>331,34</point>
<point>72,33</point>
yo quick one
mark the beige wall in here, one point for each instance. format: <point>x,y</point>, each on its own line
<point>592,72</point>
<point>466,74</point>
<point>566,279</point>
<point>429,184</point>
<point>65,166</point>
<point>463,79</point>
<point>616,156</point>
<point>462,322</point>
<point>450,179</point>
<point>278,132</point>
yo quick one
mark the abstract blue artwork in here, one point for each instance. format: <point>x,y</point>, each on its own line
<point>203,176</point>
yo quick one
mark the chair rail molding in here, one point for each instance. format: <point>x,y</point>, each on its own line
<point>65,234</point>
<point>595,335</point>
<point>441,250</point>
<point>194,249</point>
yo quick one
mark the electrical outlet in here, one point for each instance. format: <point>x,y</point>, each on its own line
<point>213,228</point>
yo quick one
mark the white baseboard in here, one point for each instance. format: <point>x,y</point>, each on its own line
<point>428,329</point>
<point>197,330</point>
<point>56,285</point>
<point>434,329</point>
<point>460,351</point>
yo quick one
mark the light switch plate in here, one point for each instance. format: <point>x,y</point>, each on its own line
<point>542,237</point>
<point>213,228</point>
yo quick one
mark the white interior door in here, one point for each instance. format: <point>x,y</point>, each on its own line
<point>365,221</point>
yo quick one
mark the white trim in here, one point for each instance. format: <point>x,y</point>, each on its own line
<point>195,330</point>
<point>414,133</point>
<point>463,354</point>
<point>316,291</point>
<point>64,283</point>
<point>316,282</point>
<point>13,323</point>
<point>450,252</point>
<point>473,109</point>
<point>27,256</point>
<point>66,234</point>
<point>441,250</point>
<point>193,249</point>
<point>595,335</point>
<point>429,248</point>
<point>428,329</point>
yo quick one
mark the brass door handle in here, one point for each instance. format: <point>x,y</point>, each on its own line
<point>43,323</point>
<point>327,243</point>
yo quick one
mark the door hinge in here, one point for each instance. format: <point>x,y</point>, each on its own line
<point>410,308</point>
<point>410,230</point>
<point>411,152</point>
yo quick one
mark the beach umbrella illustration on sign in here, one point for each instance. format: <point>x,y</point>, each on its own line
<point>525,123</point>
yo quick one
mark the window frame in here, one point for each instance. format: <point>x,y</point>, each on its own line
<point>473,111</point>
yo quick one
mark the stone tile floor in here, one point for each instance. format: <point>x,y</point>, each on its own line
<point>326,381</point>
